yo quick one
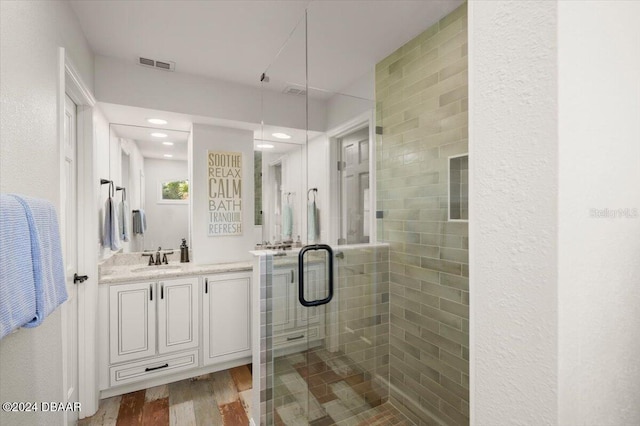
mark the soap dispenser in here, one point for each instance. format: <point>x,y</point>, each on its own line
<point>184,251</point>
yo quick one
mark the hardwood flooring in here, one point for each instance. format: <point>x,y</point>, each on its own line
<point>216,399</point>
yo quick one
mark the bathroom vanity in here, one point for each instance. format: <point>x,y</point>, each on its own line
<point>159,324</point>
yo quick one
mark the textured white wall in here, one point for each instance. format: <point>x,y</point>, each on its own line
<point>513,216</point>
<point>223,249</point>
<point>599,267</point>
<point>351,102</point>
<point>30,35</point>
<point>125,83</point>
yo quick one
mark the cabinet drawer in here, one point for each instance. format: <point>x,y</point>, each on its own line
<point>294,337</point>
<point>159,366</point>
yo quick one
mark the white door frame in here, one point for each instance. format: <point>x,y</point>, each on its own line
<point>70,83</point>
<point>365,119</point>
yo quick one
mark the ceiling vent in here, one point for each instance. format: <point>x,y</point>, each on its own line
<point>161,65</point>
<point>294,90</point>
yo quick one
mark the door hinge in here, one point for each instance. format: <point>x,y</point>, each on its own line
<point>341,165</point>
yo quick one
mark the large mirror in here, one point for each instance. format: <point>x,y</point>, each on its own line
<point>153,178</point>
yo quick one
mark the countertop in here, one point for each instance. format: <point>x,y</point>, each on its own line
<point>129,273</point>
<point>122,268</point>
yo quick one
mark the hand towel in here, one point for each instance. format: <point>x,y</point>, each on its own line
<point>287,222</point>
<point>50,289</point>
<point>144,221</point>
<point>123,217</point>
<point>17,281</point>
<point>313,224</point>
<point>139,222</point>
<point>110,237</point>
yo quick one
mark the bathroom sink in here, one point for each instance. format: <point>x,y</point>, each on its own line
<point>163,268</point>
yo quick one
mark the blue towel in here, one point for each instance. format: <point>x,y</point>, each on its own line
<point>47,267</point>
<point>17,283</point>
<point>287,222</point>
<point>123,216</point>
<point>110,237</point>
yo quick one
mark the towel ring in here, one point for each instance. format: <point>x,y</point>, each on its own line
<point>112,191</point>
<point>124,192</point>
<point>315,190</point>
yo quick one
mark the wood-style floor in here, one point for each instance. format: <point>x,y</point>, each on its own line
<point>343,397</point>
<point>221,398</point>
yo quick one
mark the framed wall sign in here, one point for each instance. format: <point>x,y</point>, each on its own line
<point>225,193</point>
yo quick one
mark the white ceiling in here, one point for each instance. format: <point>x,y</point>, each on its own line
<point>153,147</point>
<point>131,123</point>
<point>238,40</point>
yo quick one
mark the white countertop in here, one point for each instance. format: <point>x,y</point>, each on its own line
<point>129,273</point>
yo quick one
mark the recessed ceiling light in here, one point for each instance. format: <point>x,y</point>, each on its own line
<point>159,135</point>
<point>264,145</point>
<point>156,121</point>
<point>168,155</point>
<point>167,143</point>
<point>281,135</point>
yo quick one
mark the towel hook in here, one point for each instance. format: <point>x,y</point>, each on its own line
<point>315,190</point>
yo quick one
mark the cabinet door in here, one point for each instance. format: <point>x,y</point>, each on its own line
<point>315,286</point>
<point>227,317</point>
<point>283,292</point>
<point>178,314</point>
<point>132,319</point>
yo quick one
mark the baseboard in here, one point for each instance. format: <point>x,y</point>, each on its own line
<point>410,403</point>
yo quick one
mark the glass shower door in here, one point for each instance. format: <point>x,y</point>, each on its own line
<point>325,311</point>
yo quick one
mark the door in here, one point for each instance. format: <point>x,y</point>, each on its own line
<point>354,188</point>
<point>68,224</point>
<point>227,317</point>
<point>132,319</point>
<point>178,315</point>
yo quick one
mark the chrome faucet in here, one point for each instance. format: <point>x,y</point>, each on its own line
<point>158,259</point>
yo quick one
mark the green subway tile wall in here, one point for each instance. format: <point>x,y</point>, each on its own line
<point>422,101</point>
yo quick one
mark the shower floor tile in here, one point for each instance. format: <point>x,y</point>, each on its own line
<point>339,393</point>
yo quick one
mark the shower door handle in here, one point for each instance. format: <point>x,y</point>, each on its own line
<point>301,299</point>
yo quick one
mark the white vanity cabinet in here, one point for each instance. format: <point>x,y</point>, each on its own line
<point>226,317</point>
<point>293,323</point>
<point>178,325</point>
<point>132,321</point>
<point>137,311</point>
<point>284,288</point>
<point>149,320</point>
<point>159,331</point>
